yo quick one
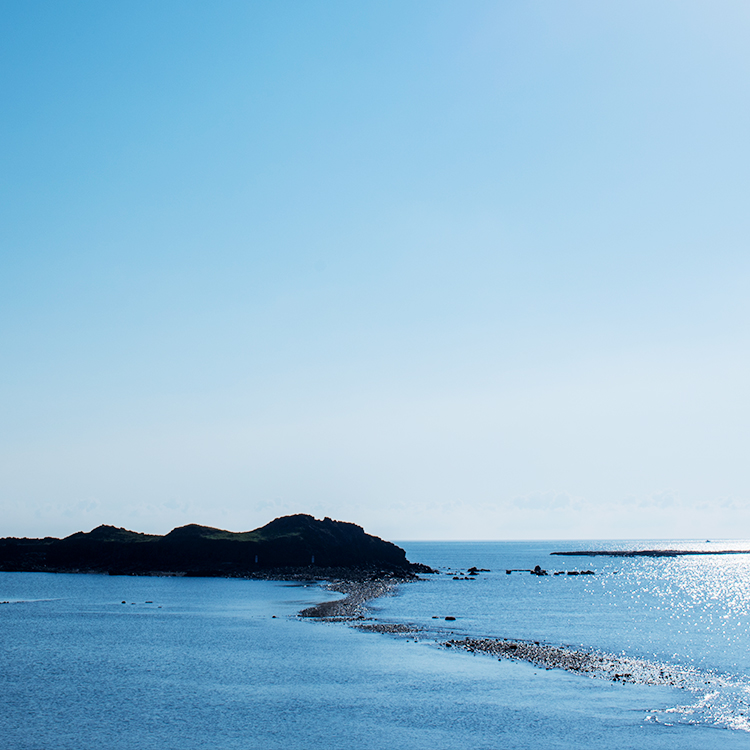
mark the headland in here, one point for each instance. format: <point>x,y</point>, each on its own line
<point>296,547</point>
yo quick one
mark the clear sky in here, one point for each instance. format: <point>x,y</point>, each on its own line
<point>447,270</point>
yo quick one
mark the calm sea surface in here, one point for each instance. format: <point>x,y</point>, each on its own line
<point>218,663</point>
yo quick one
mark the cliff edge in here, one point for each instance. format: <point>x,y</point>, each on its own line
<point>297,544</point>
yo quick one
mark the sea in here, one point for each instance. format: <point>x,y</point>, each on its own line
<point>94,661</point>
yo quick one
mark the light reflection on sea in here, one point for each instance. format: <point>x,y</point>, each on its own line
<point>196,663</point>
<point>692,611</point>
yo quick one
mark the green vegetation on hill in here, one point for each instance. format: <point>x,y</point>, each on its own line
<point>299,541</point>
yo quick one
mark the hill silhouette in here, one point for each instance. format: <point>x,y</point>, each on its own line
<point>298,544</point>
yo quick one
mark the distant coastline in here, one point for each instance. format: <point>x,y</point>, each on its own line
<point>649,552</point>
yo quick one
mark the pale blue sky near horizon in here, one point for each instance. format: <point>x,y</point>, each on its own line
<point>444,270</point>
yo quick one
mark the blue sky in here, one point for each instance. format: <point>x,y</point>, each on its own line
<point>446,270</point>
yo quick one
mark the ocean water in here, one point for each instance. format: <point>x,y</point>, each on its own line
<point>690,614</point>
<point>221,663</point>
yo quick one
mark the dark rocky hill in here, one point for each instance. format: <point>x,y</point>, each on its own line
<point>288,546</point>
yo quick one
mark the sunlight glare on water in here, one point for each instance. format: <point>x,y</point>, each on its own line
<point>687,612</point>
<point>192,663</point>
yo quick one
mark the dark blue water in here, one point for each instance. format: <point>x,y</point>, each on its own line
<point>203,663</point>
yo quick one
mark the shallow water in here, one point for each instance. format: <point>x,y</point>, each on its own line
<point>690,612</point>
<point>203,663</point>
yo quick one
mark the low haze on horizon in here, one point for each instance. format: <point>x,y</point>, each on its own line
<point>443,270</point>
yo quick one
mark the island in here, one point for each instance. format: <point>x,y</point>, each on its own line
<point>650,552</point>
<point>296,546</point>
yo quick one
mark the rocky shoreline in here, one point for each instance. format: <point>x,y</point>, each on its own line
<point>346,577</point>
<point>596,664</point>
<point>353,609</point>
<point>354,605</point>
